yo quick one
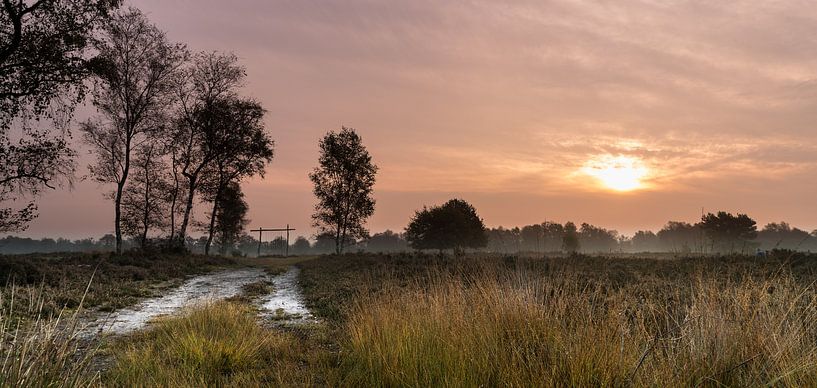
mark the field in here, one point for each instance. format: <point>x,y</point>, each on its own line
<point>492,321</point>
<point>480,320</point>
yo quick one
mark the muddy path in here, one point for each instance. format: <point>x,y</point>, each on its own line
<point>285,303</point>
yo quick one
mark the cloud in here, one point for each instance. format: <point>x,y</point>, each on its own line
<point>489,97</point>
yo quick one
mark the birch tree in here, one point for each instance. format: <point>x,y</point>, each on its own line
<point>135,71</point>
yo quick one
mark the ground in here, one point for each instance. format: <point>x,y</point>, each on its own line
<point>430,320</point>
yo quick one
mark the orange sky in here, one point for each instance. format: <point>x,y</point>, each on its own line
<point>504,105</point>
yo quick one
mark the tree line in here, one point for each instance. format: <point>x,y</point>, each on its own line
<point>455,225</point>
<point>547,237</point>
<point>172,129</point>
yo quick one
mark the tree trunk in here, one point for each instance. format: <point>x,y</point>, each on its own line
<point>173,199</point>
<point>118,217</point>
<point>212,227</point>
<point>119,189</point>
<point>338,247</point>
<point>146,204</point>
<point>191,189</point>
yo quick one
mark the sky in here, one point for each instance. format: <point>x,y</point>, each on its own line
<point>623,114</point>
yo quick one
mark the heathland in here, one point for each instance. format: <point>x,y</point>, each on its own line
<point>434,320</point>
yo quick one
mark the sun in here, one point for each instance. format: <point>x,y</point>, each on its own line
<point>619,173</point>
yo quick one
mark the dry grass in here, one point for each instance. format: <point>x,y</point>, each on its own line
<point>119,281</point>
<point>510,322</point>
<point>416,320</point>
<point>40,350</point>
<point>220,344</point>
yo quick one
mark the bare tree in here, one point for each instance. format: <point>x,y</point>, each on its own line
<point>43,56</point>
<point>212,79</point>
<point>343,181</point>
<point>135,71</point>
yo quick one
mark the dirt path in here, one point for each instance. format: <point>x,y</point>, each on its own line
<point>284,304</point>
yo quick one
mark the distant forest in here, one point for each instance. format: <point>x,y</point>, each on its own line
<point>547,237</point>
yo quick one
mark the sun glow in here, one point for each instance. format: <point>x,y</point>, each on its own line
<point>619,173</point>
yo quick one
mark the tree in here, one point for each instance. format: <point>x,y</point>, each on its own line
<point>729,230</point>
<point>145,200</point>
<point>552,235</point>
<point>678,236</point>
<point>386,241</point>
<point>231,218</point>
<point>502,240</point>
<point>44,47</point>
<point>244,150</point>
<point>454,225</point>
<point>211,79</point>
<point>134,78</point>
<point>343,181</point>
<point>300,246</point>
<point>531,236</point>
<point>570,239</point>
<point>594,238</point>
<point>645,241</point>
<point>324,243</point>
<point>108,241</point>
<point>784,236</point>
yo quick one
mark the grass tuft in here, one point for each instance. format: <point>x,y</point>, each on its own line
<point>220,344</point>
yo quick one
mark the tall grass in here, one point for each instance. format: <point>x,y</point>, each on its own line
<point>517,327</point>
<point>38,349</point>
<point>219,344</point>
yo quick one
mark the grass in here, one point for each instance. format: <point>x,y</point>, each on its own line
<point>426,320</point>
<point>39,350</point>
<point>220,344</point>
<point>432,321</point>
<point>119,281</point>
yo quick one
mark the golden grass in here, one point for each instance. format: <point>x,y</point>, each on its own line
<point>38,349</point>
<point>516,325</point>
<point>219,344</point>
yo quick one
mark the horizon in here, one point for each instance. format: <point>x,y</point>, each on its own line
<point>524,111</point>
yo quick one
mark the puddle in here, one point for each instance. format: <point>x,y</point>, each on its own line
<point>214,286</point>
<point>286,303</point>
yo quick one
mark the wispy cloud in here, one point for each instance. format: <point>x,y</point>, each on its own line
<point>717,98</point>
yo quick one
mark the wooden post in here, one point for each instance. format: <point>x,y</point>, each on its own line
<point>261,232</point>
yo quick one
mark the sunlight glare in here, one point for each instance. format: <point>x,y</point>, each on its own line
<point>619,173</point>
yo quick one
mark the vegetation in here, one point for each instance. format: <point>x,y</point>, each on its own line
<point>729,231</point>
<point>430,320</point>
<point>44,52</point>
<point>134,70</point>
<point>62,281</point>
<point>454,225</point>
<point>243,150</point>
<point>230,218</point>
<point>344,180</point>
<point>43,350</point>
<point>173,129</point>
<point>215,345</point>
